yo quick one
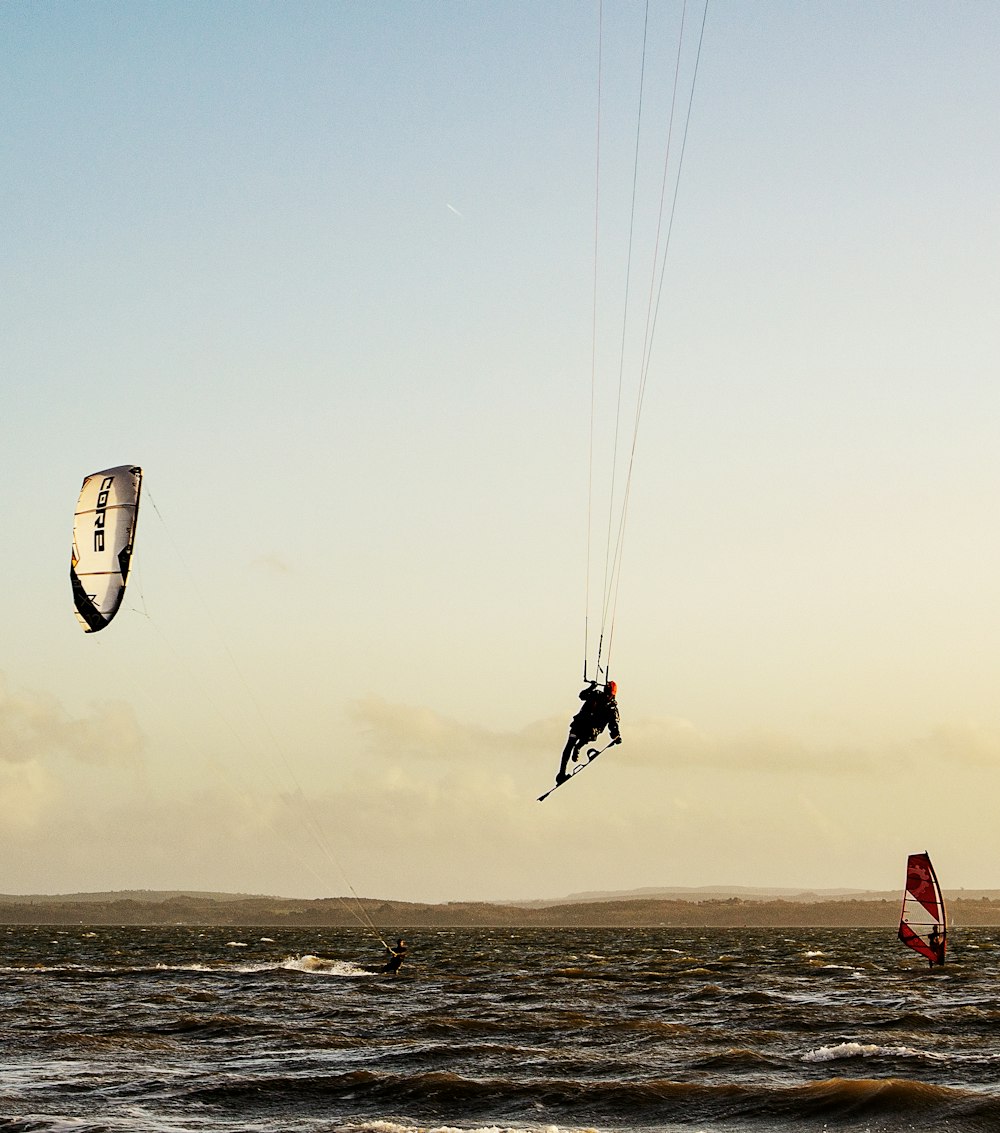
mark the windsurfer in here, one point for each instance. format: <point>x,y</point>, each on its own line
<point>922,899</point>
<point>396,957</point>
<point>935,942</point>
<point>599,711</point>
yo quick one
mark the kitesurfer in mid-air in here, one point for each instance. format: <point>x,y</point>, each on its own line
<point>599,711</point>
<point>396,957</point>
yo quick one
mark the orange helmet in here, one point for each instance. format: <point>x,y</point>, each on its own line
<point>612,688</point>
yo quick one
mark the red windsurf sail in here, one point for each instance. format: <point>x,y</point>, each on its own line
<point>923,923</point>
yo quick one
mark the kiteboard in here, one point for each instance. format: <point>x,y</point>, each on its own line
<point>592,754</point>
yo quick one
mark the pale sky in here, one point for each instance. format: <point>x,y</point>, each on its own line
<point>326,272</point>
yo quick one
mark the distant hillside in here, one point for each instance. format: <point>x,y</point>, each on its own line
<point>750,893</point>
<point>148,908</point>
<point>154,896</point>
<point>719,893</point>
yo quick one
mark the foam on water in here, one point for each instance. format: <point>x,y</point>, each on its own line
<point>865,1050</point>
<point>319,965</point>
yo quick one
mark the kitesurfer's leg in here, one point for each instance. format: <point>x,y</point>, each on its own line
<point>568,750</point>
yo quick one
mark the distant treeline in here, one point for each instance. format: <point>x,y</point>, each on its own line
<point>334,912</point>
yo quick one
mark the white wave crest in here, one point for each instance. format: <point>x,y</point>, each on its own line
<point>379,1126</point>
<point>321,966</point>
<point>864,1050</point>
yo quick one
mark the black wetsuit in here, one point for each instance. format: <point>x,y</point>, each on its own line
<point>396,957</point>
<point>599,711</point>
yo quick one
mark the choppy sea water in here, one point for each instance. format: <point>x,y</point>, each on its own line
<point>180,1028</point>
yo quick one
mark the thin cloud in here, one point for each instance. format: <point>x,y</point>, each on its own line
<point>35,726</point>
<point>273,565</point>
<point>396,730</point>
<point>774,751</point>
<point>26,793</point>
<point>402,729</point>
<point>966,745</point>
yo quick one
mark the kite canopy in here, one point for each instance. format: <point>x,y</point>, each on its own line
<point>923,924</point>
<point>103,531</point>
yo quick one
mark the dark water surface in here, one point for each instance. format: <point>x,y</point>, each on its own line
<point>181,1028</point>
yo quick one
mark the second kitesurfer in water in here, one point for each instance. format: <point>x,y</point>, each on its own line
<point>396,957</point>
<point>599,711</point>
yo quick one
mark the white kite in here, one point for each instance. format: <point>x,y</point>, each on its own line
<point>103,533</point>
